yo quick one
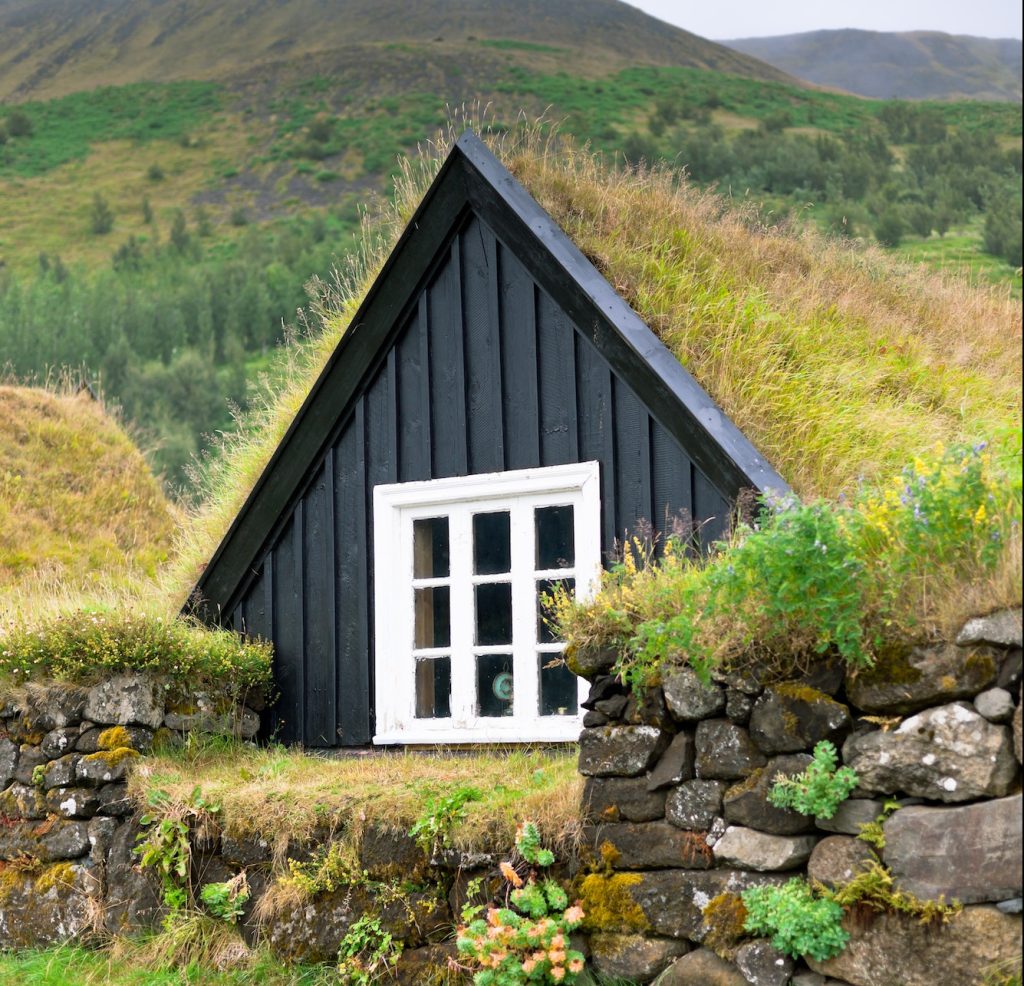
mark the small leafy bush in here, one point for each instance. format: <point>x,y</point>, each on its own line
<point>797,922</point>
<point>86,645</point>
<point>367,952</point>
<point>440,815</point>
<point>226,900</point>
<point>820,789</point>
<point>527,942</point>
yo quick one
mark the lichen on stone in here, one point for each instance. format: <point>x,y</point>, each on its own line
<point>725,917</point>
<point>608,903</point>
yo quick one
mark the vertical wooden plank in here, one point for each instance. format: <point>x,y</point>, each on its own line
<point>413,398</point>
<point>481,346</point>
<point>318,599</point>
<point>596,435</point>
<point>671,469</point>
<point>238,618</point>
<point>288,642</point>
<point>258,604</point>
<point>711,510</point>
<point>633,499</point>
<point>447,369</point>
<point>517,320</point>
<point>353,670</point>
<point>556,383</point>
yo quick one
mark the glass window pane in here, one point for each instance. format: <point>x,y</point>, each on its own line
<point>494,613</point>
<point>546,589</point>
<point>434,688</point>
<point>558,686</point>
<point>432,617</point>
<point>494,684</point>
<point>492,544</point>
<point>430,548</point>
<point>556,547</point>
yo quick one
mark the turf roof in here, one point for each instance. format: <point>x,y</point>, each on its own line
<point>837,363</point>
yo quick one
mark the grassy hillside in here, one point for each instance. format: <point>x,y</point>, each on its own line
<point>908,65</point>
<point>78,504</point>
<point>53,47</point>
<point>162,234</point>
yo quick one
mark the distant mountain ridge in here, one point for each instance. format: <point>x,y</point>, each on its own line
<point>910,65</point>
<point>53,47</point>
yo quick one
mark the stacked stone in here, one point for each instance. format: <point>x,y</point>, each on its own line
<point>676,801</point>
<point>66,832</point>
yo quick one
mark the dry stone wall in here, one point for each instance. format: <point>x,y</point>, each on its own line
<point>67,826</point>
<point>678,813</point>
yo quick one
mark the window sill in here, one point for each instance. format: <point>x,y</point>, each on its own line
<point>515,732</point>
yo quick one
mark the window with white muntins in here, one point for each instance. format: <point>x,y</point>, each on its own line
<point>462,570</point>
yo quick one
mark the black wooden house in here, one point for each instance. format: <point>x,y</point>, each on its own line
<point>493,419</point>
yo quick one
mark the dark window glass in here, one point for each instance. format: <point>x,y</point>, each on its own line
<point>430,548</point>
<point>494,613</point>
<point>556,547</point>
<point>545,609</point>
<point>494,684</point>
<point>492,544</point>
<point>434,688</point>
<point>558,687</point>
<point>432,617</point>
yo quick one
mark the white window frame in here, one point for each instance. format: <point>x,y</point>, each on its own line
<point>395,507</point>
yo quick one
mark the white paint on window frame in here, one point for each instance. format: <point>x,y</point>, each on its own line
<point>395,507</point>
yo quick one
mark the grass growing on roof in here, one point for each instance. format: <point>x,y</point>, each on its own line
<point>838,363</point>
<point>283,794</point>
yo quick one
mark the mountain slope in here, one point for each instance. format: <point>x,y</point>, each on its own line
<point>911,65</point>
<point>53,47</point>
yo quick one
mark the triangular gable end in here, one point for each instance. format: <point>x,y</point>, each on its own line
<point>487,343</point>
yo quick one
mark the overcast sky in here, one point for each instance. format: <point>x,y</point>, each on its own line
<point>759,18</point>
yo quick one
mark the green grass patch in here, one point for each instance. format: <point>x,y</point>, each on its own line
<point>63,129</point>
<point>510,44</point>
<point>961,251</point>
<point>89,645</point>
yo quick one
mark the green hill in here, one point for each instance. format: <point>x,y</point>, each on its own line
<point>78,504</point>
<point>908,65</point>
<point>53,47</point>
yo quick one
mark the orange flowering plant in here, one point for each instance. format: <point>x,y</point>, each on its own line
<point>526,941</point>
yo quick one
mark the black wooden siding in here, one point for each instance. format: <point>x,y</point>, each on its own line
<point>486,373</point>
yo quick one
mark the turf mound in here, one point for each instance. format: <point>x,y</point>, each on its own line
<point>78,504</point>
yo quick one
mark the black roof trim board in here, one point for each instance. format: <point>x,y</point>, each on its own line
<point>473,180</point>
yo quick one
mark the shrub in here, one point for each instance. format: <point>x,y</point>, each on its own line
<point>19,124</point>
<point>797,922</point>
<point>527,942</point>
<point>442,813</point>
<point>87,645</point>
<point>808,579</point>
<point>101,216</point>
<point>820,789</point>
<point>154,172</point>
<point>367,952</point>
<point>226,900</point>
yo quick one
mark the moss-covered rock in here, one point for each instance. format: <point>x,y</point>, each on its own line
<point>792,716</point>
<point>45,905</point>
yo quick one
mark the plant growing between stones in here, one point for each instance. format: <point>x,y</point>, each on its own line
<point>226,900</point>
<point>165,845</point>
<point>873,833</point>
<point>367,952</point>
<point>527,940</point>
<point>820,789</point>
<point>798,922</point>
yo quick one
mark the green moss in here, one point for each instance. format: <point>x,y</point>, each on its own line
<point>892,666</point>
<point>56,875</point>
<point>874,889</point>
<point>608,903</point>
<point>747,784</point>
<point>115,738</point>
<point>803,693</point>
<point>112,758</point>
<point>980,663</point>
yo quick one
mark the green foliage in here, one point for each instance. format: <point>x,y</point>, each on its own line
<point>86,645</point>
<point>367,952</point>
<point>101,216</point>
<point>63,129</point>
<point>809,579</point>
<point>873,832</point>
<point>329,868</point>
<point>1002,235</point>
<point>874,888</point>
<point>165,845</point>
<point>820,789</point>
<point>226,900</point>
<point>19,124</point>
<point>442,813</point>
<point>797,922</point>
<point>527,942</point>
